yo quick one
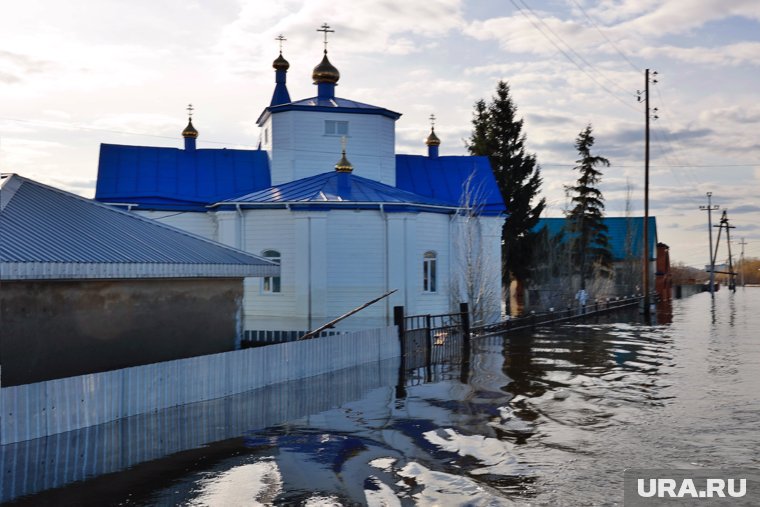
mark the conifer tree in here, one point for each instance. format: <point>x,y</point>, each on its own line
<point>498,134</point>
<point>590,244</point>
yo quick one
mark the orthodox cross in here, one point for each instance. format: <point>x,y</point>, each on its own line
<point>432,121</point>
<point>190,110</point>
<point>326,29</point>
<point>343,143</point>
<point>280,38</point>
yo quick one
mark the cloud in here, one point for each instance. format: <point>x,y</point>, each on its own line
<point>386,27</point>
<point>743,114</point>
<point>745,208</point>
<point>743,53</point>
<point>686,15</point>
<point>14,67</point>
<point>548,118</point>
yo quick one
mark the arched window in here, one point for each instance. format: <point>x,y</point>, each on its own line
<point>429,272</point>
<point>270,284</point>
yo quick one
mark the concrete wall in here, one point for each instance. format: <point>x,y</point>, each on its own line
<point>60,329</point>
<point>56,406</point>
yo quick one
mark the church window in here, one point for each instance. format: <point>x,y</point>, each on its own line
<point>266,136</point>
<point>271,284</point>
<point>336,128</point>
<point>429,272</point>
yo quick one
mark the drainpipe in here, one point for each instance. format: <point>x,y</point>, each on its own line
<point>240,244</point>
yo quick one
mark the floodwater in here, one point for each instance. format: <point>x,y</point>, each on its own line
<point>551,417</point>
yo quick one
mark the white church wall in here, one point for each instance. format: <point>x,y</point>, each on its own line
<point>433,235</point>
<point>200,223</point>
<point>356,263</point>
<point>270,230</point>
<point>300,148</point>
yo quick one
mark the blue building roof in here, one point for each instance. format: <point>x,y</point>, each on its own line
<point>46,233</point>
<point>169,178</point>
<point>444,178</point>
<point>619,229</point>
<point>331,105</point>
<point>340,190</point>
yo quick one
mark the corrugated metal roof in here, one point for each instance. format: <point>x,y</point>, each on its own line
<point>619,229</point>
<point>444,178</point>
<point>169,178</point>
<point>333,105</point>
<point>335,187</point>
<point>49,233</point>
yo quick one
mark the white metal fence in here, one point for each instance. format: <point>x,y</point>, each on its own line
<point>56,406</point>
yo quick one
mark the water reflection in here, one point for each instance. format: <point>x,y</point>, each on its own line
<point>551,417</point>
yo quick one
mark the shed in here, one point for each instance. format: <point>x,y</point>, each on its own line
<point>85,287</point>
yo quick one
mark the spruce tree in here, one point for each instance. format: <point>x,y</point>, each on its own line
<point>498,134</point>
<point>589,244</point>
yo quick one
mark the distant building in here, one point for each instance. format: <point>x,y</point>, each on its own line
<point>625,234</point>
<point>86,287</point>
<point>344,232</point>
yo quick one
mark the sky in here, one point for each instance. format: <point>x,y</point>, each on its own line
<point>83,72</point>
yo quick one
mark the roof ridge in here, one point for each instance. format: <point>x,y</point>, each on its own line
<point>9,184</point>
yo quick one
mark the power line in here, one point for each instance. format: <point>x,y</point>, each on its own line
<point>756,164</point>
<point>578,55</point>
<point>633,66</point>
<point>567,56</point>
<point>666,135</point>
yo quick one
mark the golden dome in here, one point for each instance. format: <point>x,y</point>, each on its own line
<point>325,72</point>
<point>190,130</point>
<point>343,165</point>
<point>281,63</point>
<point>432,139</point>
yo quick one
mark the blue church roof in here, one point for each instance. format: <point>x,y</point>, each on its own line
<point>619,229</point>
<point>331,105</point>
<point>169,178</point>
<point>338,190</point>
<point>444,178</point>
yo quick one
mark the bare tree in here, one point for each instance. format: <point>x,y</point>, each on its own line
<point>473,267</point>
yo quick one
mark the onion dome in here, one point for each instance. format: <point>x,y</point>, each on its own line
<point>280,63</point>
<point>190,131</point>
<point>325,72</point>
<point>432,139</point>
<point>343,165</point>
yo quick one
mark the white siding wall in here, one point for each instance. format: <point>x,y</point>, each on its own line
<point>270,230</point>
<point>355,262</point>
<point>200,223</point>
<point>332,262</point>
<point>300,148</point>
<point>432,235</point>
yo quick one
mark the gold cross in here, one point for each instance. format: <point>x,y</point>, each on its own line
<point>432,120</point>
<point>190,110</point>
<point>326,29</point>
<point>280,38</point>
<point>343,143</point>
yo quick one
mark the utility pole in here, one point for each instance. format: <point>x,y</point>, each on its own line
<point>731,274</point>
<point>645,247</point>
<point>741,261</point>
<point>709,208</point>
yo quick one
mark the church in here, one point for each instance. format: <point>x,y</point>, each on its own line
<point>327,197</point>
